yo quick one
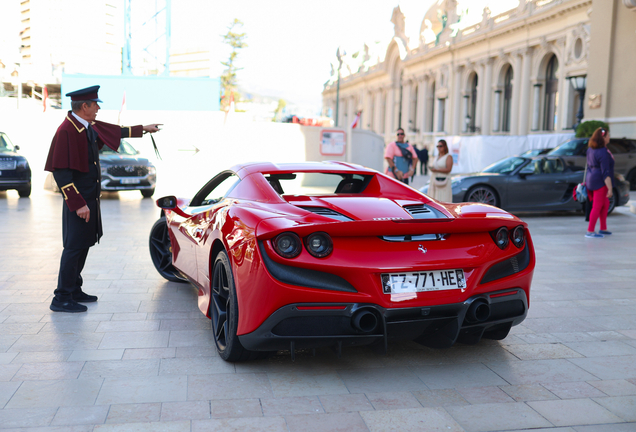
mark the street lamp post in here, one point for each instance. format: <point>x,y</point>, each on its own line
<point>339,56</point>
<point>579,84</point>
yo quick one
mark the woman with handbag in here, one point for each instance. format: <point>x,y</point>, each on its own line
<point>440,184</point>
<point>600,174</point>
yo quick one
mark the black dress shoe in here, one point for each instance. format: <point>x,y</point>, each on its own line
<point>70,306</point>
<point>81,297</point>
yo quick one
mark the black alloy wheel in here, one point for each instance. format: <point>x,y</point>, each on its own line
<point>483,194</point>
<point>224,313</point>
<point>161,251</point>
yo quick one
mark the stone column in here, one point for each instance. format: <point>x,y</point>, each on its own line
<point>406,106</point>
<point>456,93</point>
<point>480,93</point>
<point>536,107</point>
<point>487,97</point>
<point>388,117</point>
<point>525,92</point>
<point>465,113</point>
<point>516,95</point>
<point>497,109</point>
<point>421,105</point>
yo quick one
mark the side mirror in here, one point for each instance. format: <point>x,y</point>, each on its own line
<point>17,147</point>
<point>170,203</point>
<point>167,202</point>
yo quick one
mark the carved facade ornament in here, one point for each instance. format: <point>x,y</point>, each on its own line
<point>577,48</point>
<point>544,43</point>
<point>485,17</point>
<point>399,26</point>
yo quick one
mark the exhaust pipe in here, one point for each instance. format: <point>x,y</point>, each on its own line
<point>479,311</point>
<point>364,321</point>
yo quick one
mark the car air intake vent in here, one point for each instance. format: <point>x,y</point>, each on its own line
<point>128,170</point>
<point>422,211</point>
<point>323,211</point>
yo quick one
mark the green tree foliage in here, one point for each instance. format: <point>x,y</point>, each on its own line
<point>587,128</point>
<point>235,40</point>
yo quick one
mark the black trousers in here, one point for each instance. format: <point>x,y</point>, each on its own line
<point>70,279</point>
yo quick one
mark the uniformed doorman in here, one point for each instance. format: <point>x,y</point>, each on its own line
<point>74,161</point>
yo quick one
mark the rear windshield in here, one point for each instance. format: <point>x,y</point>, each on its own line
<point>317,183</point>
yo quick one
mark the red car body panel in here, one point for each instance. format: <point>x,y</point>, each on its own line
<point>253,213</point>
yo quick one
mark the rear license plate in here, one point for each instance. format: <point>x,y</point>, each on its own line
<point>130,181</point>
<point>436,280</point>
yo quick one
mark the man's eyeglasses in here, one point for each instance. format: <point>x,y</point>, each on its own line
<point>400,133</point>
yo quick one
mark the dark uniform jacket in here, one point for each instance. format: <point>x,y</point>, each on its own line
<point>74,161</point>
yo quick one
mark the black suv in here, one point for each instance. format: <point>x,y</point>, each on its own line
<point>623,150</point>
<point>15,172</point>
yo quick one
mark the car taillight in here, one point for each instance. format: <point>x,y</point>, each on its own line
<point>500,237</point>
<point>319,244</point>
<point>287,245</point>
<point>518,236</point>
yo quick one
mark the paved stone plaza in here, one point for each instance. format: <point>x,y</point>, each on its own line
<point>142,358</point>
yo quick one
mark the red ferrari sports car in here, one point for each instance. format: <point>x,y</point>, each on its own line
<point>290,256</point>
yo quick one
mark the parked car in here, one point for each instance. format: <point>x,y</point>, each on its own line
<point>123,170</point>
<point>540,183</point>
<point>358,258</point>
<point>15,172</point>
<point>623,150</point>
<point>535,152</point>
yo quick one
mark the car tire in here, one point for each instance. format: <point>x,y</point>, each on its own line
<point>224,313</point>
<point>161,251</point>
<point>147,193</point>
<point>482,194</point>
<point>631,178</point>
<point>25,192</point>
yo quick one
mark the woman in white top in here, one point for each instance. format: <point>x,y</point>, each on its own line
<point>440,185</point>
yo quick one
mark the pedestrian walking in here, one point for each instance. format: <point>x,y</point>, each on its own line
<point>74,161</point>
<point>600,175</point>
<point>401,158</point>
<point>440,185</point>
<point>422,155</point>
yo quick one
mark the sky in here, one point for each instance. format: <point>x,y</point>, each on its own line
<point>291,43</point>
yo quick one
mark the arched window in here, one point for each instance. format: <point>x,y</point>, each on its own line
<point>473,103</point>
<point>551,94</point>
<point>507,100</point>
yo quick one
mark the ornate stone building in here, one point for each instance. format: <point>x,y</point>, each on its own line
<point>508,74</point>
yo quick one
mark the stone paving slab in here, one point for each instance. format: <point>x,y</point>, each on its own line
<point>141,359</point>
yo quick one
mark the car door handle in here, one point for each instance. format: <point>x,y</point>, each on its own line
<point>559,181</point>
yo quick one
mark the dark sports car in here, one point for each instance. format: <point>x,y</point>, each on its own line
<point>314,254</point>
<point>15,172</point>
<point>517,183</point>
